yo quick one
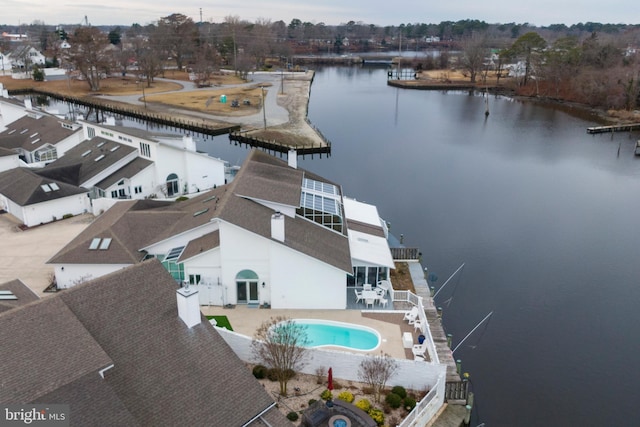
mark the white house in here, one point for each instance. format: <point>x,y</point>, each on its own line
<point>24,56</point>
<point>38,137</point>
<point>35,200</point>
<point>8,159</point>
<point>276,234</point>
<point>177,167</point>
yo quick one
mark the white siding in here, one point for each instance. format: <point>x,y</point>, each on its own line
<point>9,162</point>
<point>165,246</point>
<point>45,212</point>
<point>69,275</point>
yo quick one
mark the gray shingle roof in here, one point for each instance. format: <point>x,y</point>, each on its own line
<point>24,187</point>
<point>21,291</point>
<point>201,244</point>
<point>5,152</point>
<point>86,160</point>
<point>163,372</point>
<point>135,226</point>
<point>30,133</point>
<point>44,347</point>
<point>128,171</point>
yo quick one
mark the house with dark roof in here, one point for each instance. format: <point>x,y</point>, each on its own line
<point>39,137</point>
<point>275,235</point>
<point>129,348</point>
<point>169,165</point>
<point>15,294</point>
<point>35,199</point>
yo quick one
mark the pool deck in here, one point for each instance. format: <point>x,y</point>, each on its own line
<point>245,320</point>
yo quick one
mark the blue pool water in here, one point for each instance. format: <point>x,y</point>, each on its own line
<point>329,333</point>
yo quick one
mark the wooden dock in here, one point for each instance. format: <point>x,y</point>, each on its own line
<point>613,128</point>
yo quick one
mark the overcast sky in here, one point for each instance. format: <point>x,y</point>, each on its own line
<point>331,12</point>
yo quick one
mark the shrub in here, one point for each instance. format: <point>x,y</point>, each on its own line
<point>326,395</point>
<point>400,391</point>
<point>377,415</point>
<point>65,216</point>
<point>347,396</point>
<point>363,404</point>
<point>260,371</point>
<point>292,416</point>
<point>272,374</point>
<point>312,401</point>
<point>393,400</point>
<point>409,403</point>
<point>182,199</point>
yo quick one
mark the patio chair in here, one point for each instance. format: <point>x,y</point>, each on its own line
<point>366,287</point>
<point>417,325</point>
<point>383,302</point>
<point>419,350</point>
<point>369,301</point>
<point>358,295</point>
<point>411,315</point>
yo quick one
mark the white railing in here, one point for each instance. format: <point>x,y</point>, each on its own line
<point>410,297</point>
<point>427,408</point>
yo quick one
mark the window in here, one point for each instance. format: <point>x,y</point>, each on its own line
<point>321,202</point>
<point>114,194</point>
<point>174,253</point>
<point>105,243</point>
<point>91,132</point>
<point>54,186</point>
<point>145,149</point>
<point>137,189</point>
<point>94,244</point>
<point>194,279</point>
<point>172,184</point>
<point>122,193</point>
<point>45,188</point>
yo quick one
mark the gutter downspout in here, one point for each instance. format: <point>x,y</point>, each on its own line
<point>259,415</point>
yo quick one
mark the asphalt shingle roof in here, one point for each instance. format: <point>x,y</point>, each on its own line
<point>34,131</point>
<point>163,372</point>
<point>25,187</point>
<point>21,291</point>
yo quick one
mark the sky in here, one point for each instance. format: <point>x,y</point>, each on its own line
<point>330,12</point>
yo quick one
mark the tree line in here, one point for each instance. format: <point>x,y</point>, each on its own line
<point>591,63</point>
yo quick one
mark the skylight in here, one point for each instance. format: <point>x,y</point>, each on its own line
<point>201,212</point>
<point>100,144</point>
<point>100,157</point>
<point>105,243</point>
<point>95,243</point>
<point>23,131</point>
<point>321,202</point>
<point>35,140</point>
<point>86,153</point>
<point>34,135</point>
<point>11,131</point>
<point>114,148</point>
<point>174,253</point>
<point>45,188</point>
<point>54,186</point>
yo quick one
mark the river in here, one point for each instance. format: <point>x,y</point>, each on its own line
<point>542,214</point>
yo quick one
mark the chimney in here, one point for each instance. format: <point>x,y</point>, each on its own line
<point>28,105</point>
<point>292,159</point>
<point>189,143</point>
<point>110,121</point>
<point>277,226</point>
<point>188,305</point>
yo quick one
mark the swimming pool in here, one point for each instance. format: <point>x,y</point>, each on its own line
<point>323,333</point>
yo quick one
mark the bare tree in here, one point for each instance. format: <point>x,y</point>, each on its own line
<point>88,55</point>
<point>376,372</point>
<point>280,344</point>
<point>178,34</point>
<point>474,52</point>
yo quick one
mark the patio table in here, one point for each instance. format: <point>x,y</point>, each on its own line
<point>370,297</point>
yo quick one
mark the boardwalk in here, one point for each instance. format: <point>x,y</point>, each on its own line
<point>614,128</point>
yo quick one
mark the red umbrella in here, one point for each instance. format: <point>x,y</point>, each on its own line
<point>330,379</point>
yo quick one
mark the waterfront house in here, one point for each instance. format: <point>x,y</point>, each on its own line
<point>128,349</point>
<point>35,199</point>
<point>39,137</point>
<point>178,168</point>
<point>276,235</point>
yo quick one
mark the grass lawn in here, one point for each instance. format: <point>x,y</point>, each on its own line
<point>223,321</point>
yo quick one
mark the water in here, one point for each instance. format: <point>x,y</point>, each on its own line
<point>328,333</point>
<point>543,215</point>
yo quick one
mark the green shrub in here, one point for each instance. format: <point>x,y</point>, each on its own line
<point>312,401</point>
<point>260,371</point>
<point>65,216</point>
<point>182,199</point>
<point>292,416</point>
<point>409,403</point>
<point>272,374</point>
<point>326,395</point>
<point>377,415</point>
<point>393,400</point>
<point>347,396</point>
<point>363,404</point>
<point>400,391</point>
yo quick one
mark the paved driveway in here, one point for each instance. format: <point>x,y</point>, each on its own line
<point>24,253</point>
